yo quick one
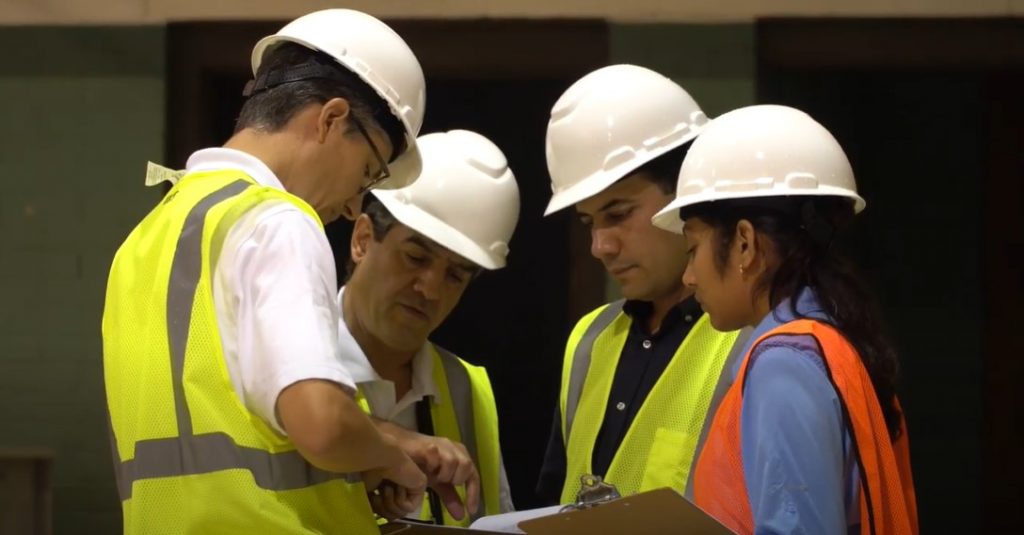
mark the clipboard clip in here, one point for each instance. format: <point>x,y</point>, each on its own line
<point>593,491</point>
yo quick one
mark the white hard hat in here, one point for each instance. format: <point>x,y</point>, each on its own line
<point>374,52</point>
<point>608,124</point>
<point>761,151</point>
<point>465,198</point>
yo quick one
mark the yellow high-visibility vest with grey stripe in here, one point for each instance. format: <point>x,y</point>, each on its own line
<point>659,446</point>
<point>188,456</point>
<point>465,412</point>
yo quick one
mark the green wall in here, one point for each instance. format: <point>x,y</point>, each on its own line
<point>714,63</point>
<point>83,111</point>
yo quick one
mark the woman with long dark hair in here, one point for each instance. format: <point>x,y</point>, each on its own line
<point>810,437</point>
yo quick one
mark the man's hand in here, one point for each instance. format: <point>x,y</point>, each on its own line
<point>395,492</point>
<point>332,433</point>
<point>392,502</point>
<point>447,465</point>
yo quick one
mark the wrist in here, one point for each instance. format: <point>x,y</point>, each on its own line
<point>391,450</point>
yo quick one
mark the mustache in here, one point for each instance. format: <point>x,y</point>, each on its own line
<point>419,303</point>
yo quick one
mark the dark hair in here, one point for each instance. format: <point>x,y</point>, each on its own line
<point>663,171</point>
<point>801,230</point>
<point>380,217</point>
<point>292,76</point>
<point>381,222</point>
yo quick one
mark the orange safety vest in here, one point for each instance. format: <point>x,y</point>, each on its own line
<point>888,506</point>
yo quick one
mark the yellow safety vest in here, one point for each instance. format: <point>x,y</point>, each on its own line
<point>465,413</point>
<point>188,456</point>
<point>659,446</point>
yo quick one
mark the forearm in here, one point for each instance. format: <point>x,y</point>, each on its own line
<point>331,431</point>
<point>393,430</point>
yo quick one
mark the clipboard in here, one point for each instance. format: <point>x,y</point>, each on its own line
<point>656,512</point>
<point>415,528</point>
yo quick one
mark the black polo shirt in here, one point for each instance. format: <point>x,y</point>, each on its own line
<point>644,358</point>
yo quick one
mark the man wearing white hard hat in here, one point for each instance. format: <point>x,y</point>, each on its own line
<point>641,373</point>
<point>230,410</point>
<point>414,252</point>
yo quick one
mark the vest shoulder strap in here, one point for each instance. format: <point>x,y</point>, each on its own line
<point>581,361</point>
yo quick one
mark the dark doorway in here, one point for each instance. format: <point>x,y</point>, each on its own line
<point>499,78</point>
<point>930,115</point>
<point>514,321</point>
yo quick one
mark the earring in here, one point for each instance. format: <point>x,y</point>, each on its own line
<point>741,269</point>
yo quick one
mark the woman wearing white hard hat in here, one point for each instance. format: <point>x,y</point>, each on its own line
<point>810,437</point>
<point>230,410</point>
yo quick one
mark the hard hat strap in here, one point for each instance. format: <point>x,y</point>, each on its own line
<point>313,69</point>
<point>323,67</point>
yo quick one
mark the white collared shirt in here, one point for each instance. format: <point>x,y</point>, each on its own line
<point>380,393</point>
<point>274,294</point>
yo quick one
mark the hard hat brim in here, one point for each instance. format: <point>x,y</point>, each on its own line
<point>437,231</point>
<point>605,178</point>
<point>668,218</point>
<point>404,170</point>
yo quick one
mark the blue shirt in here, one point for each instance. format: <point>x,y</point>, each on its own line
<point>797,454</point>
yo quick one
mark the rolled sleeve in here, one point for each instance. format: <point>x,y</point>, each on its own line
<point>287,314</point>
<point>793,444</point>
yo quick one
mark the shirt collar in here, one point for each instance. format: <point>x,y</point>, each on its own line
<point>423,373</point>
<point>358,364</point>
<point>218,158</point>
<point>807,305</point>
<point>638,311</point>
<point>352,356</point>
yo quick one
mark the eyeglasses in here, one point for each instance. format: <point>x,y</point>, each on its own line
<point>384,172</point>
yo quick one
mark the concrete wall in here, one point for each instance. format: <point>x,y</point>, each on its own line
<point>82,111</point>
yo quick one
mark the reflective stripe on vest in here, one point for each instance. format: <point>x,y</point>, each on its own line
<point>475,426</point>
<point>721,389</point>
<point>581,361</point>
<point>461,392</point>
<point>212,452</point>
<point>187,453</point>
<point>658,448</point>
<point>887,500</point>
<point>465,399</point>
<point>184,435</point>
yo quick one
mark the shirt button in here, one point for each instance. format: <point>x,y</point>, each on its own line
<point>647,344</point>
<point>688,318</point>
<point>621,406</point>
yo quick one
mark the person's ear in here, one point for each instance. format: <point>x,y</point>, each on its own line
<point>334,114</point>
<point>362,239</point>
<point>746,248</point>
